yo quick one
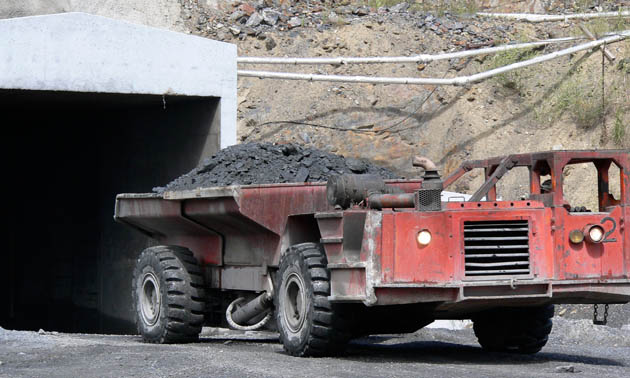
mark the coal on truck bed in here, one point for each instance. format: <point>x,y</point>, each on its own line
<point>359,255</point>
<point>266,163</point>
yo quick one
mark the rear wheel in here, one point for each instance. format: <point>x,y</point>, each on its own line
<point>519,330</point>
<point>168,294</point>
<point>309,325</point>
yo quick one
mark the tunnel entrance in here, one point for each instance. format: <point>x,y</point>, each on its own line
<point>66,264</point>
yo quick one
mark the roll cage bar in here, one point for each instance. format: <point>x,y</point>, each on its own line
<point>551,163</point>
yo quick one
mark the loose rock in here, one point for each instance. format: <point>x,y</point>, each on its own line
<point>270,17</point>
<point>294,22</point>
<point>254,20</point>
<point>567,369</point>
<point>248,9</point>
<point>356,165</point>
<point>400,7</point>
<point>362,11</point>
<point>333,18</point>
<point>237,15</point>
<point>270,43</point>
<point>265,163</point>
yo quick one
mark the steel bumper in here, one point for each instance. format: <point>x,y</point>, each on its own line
<point>492,293</point>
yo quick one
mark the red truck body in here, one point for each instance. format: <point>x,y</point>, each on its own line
<point>482,253</point>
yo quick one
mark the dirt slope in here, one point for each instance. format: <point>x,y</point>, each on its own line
<point>552,106</point>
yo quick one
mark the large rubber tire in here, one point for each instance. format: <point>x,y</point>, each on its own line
<point>168,294</point>
<point>309,325</point>
<point>518,330</point>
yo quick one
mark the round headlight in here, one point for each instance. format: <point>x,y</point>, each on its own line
<point>595,234</point>
<point>576,236</point>
<point>424,237</point>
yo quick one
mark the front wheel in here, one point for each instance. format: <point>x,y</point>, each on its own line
<point>519,330</point>
<point>168,294</point>
<point>309,325</point>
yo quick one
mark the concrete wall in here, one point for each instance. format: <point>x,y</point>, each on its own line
<point>95,107</point>
<point>85,53</point>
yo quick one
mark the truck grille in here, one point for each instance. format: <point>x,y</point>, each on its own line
<point>496,247</point>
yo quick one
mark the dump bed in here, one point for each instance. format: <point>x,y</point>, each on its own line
<point>248,220</point>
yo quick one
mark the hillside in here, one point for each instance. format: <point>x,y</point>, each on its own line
<point>557,105</point>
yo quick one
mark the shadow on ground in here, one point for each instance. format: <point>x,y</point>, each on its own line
<point>367,350</point>
<point>379,349</point>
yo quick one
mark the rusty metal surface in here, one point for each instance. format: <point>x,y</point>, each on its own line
<point>382,201</point>
<point>404,266</point>
<point>553,162</point>
<point>231,225</point>
<point>375,256</point>
<point>239,225</point>
<point>506,164</point>
<point>347,189</point>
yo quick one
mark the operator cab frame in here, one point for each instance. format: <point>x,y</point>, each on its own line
<point>552,163</point>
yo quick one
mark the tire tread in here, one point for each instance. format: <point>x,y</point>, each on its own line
<point>325,336</point>
<point>184,294</point>
<point>517,330</point>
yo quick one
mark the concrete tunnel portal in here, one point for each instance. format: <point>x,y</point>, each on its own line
<point>81,126</point>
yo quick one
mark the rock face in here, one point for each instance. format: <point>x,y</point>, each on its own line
<point>164,14</point>
<point>266,163</point>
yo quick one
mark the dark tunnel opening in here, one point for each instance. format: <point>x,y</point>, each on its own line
<point>67,265</point>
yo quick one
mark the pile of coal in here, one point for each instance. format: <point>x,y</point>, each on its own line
<point>265,163</point>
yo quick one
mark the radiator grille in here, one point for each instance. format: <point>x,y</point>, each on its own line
<point>496,248</point>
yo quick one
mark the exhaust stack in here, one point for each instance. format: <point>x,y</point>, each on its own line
<point>429,196</point>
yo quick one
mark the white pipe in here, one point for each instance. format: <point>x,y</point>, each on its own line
<point>424,58</point>
<point>462,80</point>
<point>543,58</point>
<point>343,78</point>
<point>554,17</point>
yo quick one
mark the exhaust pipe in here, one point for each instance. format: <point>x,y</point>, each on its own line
<point>348,189</point>
<point>345,190</point>
<point>381,201</point>
<point>423,162</point>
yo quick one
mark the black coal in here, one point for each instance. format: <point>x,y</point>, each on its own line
<point>265,163</point>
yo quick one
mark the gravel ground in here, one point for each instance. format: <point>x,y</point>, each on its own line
<point>618,315</point>
<point>575,346</point>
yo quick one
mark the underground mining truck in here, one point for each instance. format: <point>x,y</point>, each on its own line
<point>328,262</point>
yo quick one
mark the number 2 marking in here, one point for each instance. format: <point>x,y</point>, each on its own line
<point>614,227</point>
